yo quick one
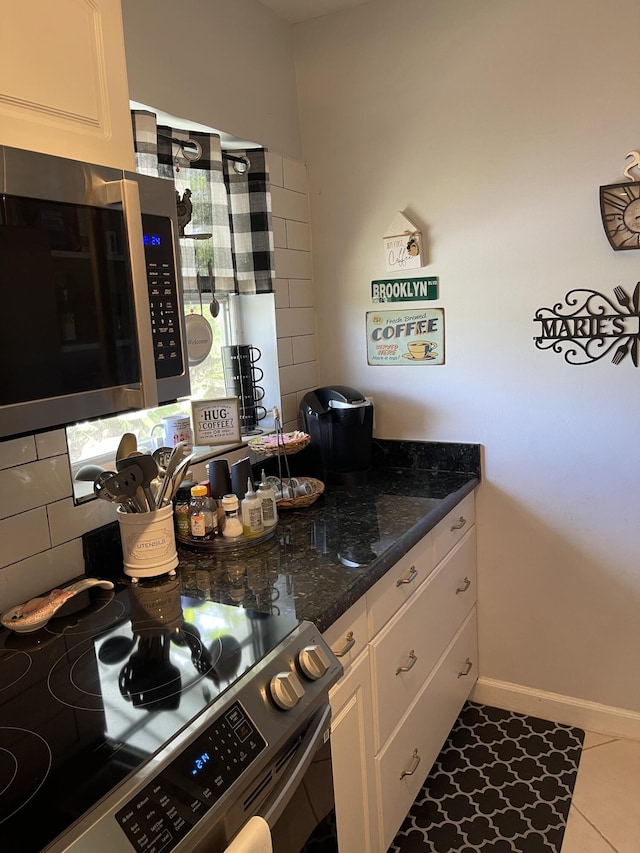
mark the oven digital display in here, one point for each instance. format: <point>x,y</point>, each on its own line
<point>167,808</point>
<point>200,763</point>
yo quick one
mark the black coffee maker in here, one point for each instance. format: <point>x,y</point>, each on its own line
<point>339,420</point>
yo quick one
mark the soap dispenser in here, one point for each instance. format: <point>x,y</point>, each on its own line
<point>251,511</point>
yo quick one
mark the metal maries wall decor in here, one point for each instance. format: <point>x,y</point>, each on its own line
<point>591,326</point>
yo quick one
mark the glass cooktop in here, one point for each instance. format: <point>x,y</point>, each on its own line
<point>92,696</point>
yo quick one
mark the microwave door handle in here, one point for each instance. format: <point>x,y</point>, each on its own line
<point>312,741</point>
<point>126,193</point>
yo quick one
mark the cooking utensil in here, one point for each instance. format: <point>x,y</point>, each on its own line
<point>149,468</point>
<point>34,614</point>
<point>178,476</point>
<point>125,484</point>
<point>215,305</point>
<point>162,456</point>
<point>128,444</point>
<point>88,473</point>
<point>180,451</point>
<point>100,491</point>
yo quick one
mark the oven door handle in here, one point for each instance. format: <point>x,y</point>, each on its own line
<point>312,741</point>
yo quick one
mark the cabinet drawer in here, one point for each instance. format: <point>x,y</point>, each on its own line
<point>408,648</point>
<point>417,742</point>
<point>453,527</point>
<point>348,636</point>
<point>401,582</point>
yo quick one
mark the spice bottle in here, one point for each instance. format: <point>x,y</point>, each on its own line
<point>200,515</point>
<point>252,523</point>
<point>181,513</point>
<point>232,525</point>
<point>267,495</point>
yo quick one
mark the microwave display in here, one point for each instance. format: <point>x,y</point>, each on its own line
<point>67,297</point>
<point>163,295</point>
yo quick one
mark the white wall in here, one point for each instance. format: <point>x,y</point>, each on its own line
<point>228,65</point>
<point>493,124</point>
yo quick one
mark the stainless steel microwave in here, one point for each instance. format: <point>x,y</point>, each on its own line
<point>91,305</point>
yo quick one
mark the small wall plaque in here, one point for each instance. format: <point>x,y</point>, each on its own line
<point>404,289</point>
<point>403,245</point>
<point>406,337</point>
<point>216,421</point>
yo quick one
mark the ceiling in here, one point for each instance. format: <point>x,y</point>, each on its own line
<point>295,11</point>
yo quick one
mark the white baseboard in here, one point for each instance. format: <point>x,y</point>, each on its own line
<point>590,716</point>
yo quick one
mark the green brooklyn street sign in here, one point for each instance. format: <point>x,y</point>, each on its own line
<point>404,289</point>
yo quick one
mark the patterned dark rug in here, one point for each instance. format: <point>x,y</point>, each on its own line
<point>502,783</point>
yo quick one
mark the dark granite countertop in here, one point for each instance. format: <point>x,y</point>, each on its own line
<point>323,558</point>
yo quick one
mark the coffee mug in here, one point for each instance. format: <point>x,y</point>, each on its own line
<point>421,349</point>
<point>175,428</point>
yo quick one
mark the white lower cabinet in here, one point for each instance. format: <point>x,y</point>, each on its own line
<point>404,762</point>
<point>409,648</point>
<point>352,757</point>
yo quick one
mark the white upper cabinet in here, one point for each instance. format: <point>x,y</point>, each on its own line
<point>63,80</point>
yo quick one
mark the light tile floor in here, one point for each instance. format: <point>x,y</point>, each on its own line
<point>605,810</point>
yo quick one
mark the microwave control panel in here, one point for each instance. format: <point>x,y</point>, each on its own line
<point>163,295</point>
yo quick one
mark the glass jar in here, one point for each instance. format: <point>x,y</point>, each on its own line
<point>181,513</point>
<point>201,518</point>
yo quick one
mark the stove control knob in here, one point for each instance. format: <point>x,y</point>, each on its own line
<point>286,690</point>
<point>313,661</point>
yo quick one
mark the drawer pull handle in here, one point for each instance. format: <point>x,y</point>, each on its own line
<point>349,644</point>
<point>467,670</point>
<point>415,760</point>
<point>459,524</point>
<point>411,575</point>
<point>412,662</point>
<point>464,586</point>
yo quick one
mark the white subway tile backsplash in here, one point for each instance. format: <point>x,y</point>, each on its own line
<point>67,521</point>
<point>34,484</point>
<point>285,351</point>
<point>17,451</point>
<point>40,573</point>
<point>281,293</point>
<point>290,263</point>
<point>300,293</point>
<point>279,232</point>
<point>52,443</point>
<point>298,236</point>
<point>289,204</point>
<point>298,376</point>
<point>23,536</point>
<point>274,164</point>
<point>289,410</point>
<point>295,175</point>
<point>304,348</point>
<point>295,321</point>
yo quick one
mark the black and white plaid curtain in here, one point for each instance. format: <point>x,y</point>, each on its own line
<point>232,209</point>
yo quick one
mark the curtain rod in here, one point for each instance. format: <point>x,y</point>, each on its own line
<point>243,163</point>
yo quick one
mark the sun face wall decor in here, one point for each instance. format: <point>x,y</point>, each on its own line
<point>620,209</point>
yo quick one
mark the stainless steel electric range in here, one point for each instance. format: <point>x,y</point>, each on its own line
<point>141,719</point>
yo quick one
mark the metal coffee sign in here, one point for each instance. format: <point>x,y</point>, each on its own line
<point>591,326</point>
<point>404,289</point>
<point>406,337</point>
